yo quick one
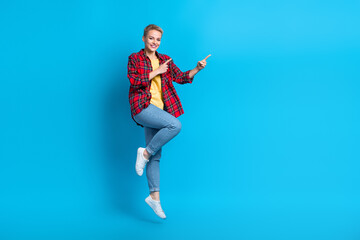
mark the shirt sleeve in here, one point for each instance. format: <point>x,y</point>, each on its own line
<point>137,80</point>
<point>179,76</point>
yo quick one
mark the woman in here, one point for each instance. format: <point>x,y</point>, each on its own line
<point>155,105</point>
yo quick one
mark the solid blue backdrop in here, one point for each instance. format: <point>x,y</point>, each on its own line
<point>269,147</point>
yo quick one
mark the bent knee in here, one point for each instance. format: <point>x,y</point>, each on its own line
<point>176,126</point>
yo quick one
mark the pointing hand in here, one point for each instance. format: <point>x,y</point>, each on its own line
<point>201,64</point>
<point>163,67</point>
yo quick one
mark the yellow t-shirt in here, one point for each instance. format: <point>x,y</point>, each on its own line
<point>155,89</point>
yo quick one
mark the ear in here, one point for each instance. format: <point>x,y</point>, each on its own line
<point>143,38</point>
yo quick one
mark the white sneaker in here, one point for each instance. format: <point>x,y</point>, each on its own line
<point>140,161</point>
<point>155,205</point>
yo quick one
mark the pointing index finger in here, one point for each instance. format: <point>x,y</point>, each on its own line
<point>207,56</point>
<point>168,61</point>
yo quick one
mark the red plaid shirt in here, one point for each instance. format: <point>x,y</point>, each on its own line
<point>139,68</point>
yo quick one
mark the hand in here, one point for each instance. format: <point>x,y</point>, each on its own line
<point>201,64</point>
<point>163,67</point>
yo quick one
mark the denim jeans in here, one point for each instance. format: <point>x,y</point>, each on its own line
<point>160,127</point>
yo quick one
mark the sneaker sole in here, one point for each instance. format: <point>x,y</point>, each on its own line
<point>137,157</point>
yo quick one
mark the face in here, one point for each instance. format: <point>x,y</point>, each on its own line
<point>152,40</point>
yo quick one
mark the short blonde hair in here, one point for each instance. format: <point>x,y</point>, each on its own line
<point>152,27</point>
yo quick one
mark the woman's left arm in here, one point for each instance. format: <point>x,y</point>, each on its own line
<point>188,76</point>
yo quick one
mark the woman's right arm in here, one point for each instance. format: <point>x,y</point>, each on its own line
<point>138,79</point>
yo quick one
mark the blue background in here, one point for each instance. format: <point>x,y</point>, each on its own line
<point>269,147</point>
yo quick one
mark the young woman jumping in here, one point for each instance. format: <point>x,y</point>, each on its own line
<point>155,105</point>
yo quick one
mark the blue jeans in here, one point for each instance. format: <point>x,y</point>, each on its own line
<point>160,127</point>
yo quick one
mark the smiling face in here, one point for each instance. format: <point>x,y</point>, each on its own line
<point>152,40</point>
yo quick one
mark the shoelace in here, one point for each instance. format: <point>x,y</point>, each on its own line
<point>159,209</point>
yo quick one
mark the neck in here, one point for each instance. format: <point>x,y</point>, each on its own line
<point>150,54</point>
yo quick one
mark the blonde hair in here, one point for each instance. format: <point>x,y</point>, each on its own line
<point>152,27</point>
